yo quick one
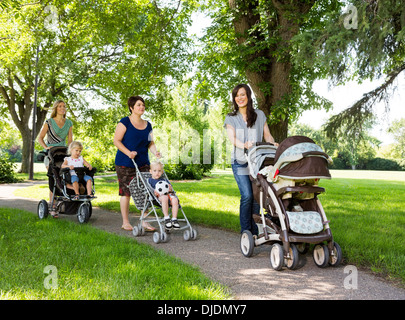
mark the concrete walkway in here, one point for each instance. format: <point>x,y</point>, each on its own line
<point>217,254</point>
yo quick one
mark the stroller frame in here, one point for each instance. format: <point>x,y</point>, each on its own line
<point>144,198</point>
<point>286,244</point>
<point>82,207</point>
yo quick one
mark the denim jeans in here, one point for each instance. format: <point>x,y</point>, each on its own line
<point>248,205</point>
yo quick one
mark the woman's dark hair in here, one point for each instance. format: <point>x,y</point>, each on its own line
<point>250,111</point>
<point>132,101</point>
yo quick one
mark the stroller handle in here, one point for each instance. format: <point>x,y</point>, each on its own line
<point>258,144</point>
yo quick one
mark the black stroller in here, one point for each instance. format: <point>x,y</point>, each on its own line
<point>60,185</point>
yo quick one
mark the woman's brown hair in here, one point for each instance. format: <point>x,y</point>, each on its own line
<point>250,111</point>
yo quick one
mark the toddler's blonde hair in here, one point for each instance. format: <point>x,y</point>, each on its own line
<point>156,163</point>
<point>75,144</point>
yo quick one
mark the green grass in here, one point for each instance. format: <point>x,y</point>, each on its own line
<point>368,221</point>
<point>366,210</point>
<point>90,264</point>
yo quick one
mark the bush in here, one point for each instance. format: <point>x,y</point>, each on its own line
<point>190,171</point>
<point>7,173</point>
<point>383,164</point>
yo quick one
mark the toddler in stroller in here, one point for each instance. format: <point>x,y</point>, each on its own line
<point>285,184</point>
<point>65,199</point>
<point>144,197</point>
<point>163,190</point>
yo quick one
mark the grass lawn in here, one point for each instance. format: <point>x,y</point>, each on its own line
<point>366,210</point>
<point>90,264</point>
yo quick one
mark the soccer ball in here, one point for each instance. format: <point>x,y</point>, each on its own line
<point>162,187</point>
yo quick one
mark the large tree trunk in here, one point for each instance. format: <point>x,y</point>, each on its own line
<point>271,84</point>
<point>20,107</point>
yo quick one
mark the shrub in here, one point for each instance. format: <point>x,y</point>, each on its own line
<point>7,173</point>
<point>383,164</point>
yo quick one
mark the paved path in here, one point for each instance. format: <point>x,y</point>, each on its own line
<point>217,254</point>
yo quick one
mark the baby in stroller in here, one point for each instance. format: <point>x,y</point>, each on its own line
<point>164,194</point>
<point>65,198</point>
<point>76,160</point>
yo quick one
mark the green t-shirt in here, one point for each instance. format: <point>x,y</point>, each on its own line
<point>56,136</point>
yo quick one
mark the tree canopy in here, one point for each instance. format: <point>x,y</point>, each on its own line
<point>113,48</point>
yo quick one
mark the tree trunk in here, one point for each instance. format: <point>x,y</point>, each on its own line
<point>20,107</point>
<point>271,84</point>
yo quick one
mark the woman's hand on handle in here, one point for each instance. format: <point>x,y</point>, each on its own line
<point>132,154</point>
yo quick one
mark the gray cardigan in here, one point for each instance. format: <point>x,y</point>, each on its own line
<point>243,133</point>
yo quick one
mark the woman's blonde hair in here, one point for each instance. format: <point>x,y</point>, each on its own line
<point>55,107</point>
<point>75,144</point>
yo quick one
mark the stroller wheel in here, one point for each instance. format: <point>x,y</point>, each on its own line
<point>135,231</point>
<point>42,209</point>
<point>164,237</point>
<point>292,262</point>
<point>321,255</point>
<point>247,243</point>
<point>156,237</point>
<point>193,234</point>
<point>336,255</point>
<point>302,247</point>
<point>276,257</point>
<point>83,213</point>
<point>187,235</point>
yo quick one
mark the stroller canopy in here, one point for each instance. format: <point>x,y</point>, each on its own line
<point>299,157</point>
<point>258,156</point>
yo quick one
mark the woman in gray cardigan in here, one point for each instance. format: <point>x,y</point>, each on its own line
<point>245,126</point>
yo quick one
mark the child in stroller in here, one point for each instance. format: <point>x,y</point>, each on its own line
<point>64,198</point>
<point>145,198</point>
<point>166,197</point>
<point>76,160</point>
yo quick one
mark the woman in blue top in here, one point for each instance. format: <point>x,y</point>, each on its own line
<point>133,138</point>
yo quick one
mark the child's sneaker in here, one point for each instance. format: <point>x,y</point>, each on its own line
<point>168,223</point>
<point>175,224</point>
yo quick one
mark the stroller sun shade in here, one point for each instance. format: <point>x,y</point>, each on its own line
<point>298,157</point>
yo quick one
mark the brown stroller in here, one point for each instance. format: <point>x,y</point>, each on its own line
<point>285,184</point>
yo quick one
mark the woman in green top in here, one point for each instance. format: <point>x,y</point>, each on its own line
<point>56,128</point>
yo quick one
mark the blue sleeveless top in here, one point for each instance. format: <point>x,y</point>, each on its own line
<point>134,140</point>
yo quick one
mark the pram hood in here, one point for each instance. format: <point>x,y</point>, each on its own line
<point>299,157</point>
<point>57,155</point>
<point>257,155</point>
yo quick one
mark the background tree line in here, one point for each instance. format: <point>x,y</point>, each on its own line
<point>113,49</point>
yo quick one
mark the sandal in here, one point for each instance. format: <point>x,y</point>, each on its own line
<point>127,227</point>
<point>148,228</point>
<point>76,197</point>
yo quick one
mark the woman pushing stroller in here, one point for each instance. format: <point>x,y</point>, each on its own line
<point>245,126</point>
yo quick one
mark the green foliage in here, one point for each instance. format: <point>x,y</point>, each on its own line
<point>179,135</point>
<point>7,168</point>
<point>113,49</point>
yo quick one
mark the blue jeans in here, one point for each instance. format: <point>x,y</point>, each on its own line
<point>76,178</point>
<point>248,205</point>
